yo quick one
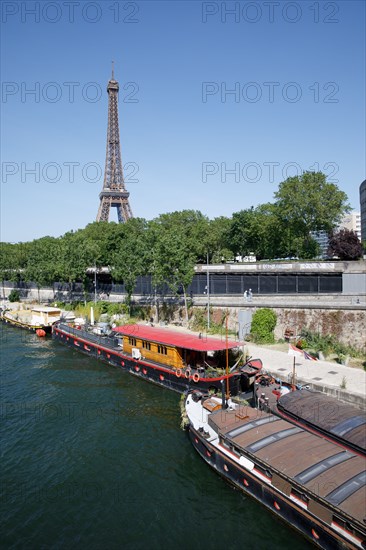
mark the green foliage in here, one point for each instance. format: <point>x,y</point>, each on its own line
<point>198,323</point>
<point>140,312</point>
<point>100,308</point>
<point>14,296</point>
<point>13,260</point>
<point>77,254</point>
<point>328,344</point>
<point>263,324</point>
<point>308,203</point>
<point>174,247</point>
<point>130,256</point>
<point>216,240</point>
<point>257,230</point>
<point>199,319</point>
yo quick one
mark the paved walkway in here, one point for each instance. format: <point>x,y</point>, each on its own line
<point>325,376</point>
<point>315,373</point>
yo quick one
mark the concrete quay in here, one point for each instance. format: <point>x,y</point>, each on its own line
<point>347,384</point>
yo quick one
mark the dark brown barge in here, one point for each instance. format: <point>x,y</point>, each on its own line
<point>339,421</point>
<point>311,483</point>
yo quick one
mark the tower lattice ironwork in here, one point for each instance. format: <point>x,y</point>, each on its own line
<point>114,193</point>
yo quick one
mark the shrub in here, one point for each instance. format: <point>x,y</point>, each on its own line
<point>14,296</point>
<point>301,343</point>
<point>328,344</point>
<point>263,324</point>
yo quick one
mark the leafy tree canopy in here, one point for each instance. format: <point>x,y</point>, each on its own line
<point>308,203</point>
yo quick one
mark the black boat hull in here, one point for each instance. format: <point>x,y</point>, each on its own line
<point>302,521</point>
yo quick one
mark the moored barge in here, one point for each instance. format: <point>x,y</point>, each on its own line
<point>38,319</point>
<point>314,411</point>
<point>309,482</point>
<point>169,358</point>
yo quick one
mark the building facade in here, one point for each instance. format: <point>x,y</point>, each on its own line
<point>351,221</point>
<point>363,210</point>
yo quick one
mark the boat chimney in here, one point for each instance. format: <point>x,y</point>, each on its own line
<point>223,397</point>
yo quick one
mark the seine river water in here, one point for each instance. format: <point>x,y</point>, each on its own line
<point>94,458</point>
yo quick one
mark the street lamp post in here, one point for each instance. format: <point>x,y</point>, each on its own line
<point>95,282</point>
<point>208,296</point>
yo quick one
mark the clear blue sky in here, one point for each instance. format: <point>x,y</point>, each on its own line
<point>297,70</point>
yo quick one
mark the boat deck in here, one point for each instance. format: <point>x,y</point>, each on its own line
<point>325,469</point>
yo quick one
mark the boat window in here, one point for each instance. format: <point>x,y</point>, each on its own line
<point>132,341</point>
<point>348,425</point>
<point>230,447</point>
<point>264,471</point>
<point>299,496</point>
<point>347,489</point>
<point>163,350</point>
<point>251,425</point>
<point>236,451</point>
<point>317,469</point>
<point>258,445</point>
<point>347,526</point>
<point>146,345</point>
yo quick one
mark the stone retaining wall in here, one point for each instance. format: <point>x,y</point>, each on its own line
<point>347,325</point>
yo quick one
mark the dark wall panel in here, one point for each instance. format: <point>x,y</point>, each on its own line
<point>330,283</point>
<point>250,282</point>
<point>218,284</point>
<point>308,283</point>
<point>287,283</point>
<point>267,284</point>
<point>234,284</point>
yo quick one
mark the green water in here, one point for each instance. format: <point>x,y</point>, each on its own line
<point>94,458</point>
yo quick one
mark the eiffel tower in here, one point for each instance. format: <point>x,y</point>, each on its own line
<point>114,193</point>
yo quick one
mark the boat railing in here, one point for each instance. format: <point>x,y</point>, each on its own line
<point>112,343</point>
<point>96,338</point>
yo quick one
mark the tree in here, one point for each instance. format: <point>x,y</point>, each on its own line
<point>218,240</point>
<point>174,247</point>
<point>107,237</point>
<point>308,203</point>
<point>345,244</point>
<point>243,234</point>
<point>76,254</point>
<point>7,263</point>
<point>129,259</point>
<point>193,225</point>
<point>43,262</point>
<point>259,231</point>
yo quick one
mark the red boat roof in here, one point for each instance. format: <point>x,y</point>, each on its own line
<point>175,338</point>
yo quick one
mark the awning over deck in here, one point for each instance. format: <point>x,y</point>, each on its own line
<point>176,338</point>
